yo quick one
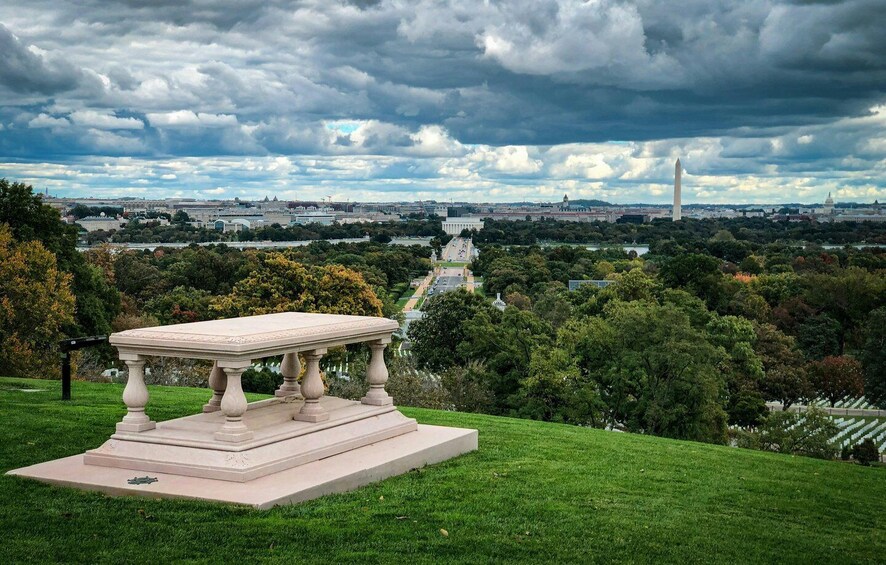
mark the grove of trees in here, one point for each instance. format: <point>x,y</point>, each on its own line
<point>689,339</point>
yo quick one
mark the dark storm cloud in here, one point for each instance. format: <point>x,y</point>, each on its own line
<point>25,72</point>
<point>537,72</point>
<point>251,77</point>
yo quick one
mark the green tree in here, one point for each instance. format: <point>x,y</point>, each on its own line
<point>545,392</point>
<point>35,302</point>
<point>691,271</point>
<point>181,305</point>
<point>848,296</point>
<point>31,220</point>
<point>751,265</point>
<point>653,371</point>
<point>784,375</point>
<point>505,343</point>
<point>436,336</point>
<point>873,357</point>
<point>181,217</point>
<point>808,434</point>
<point>554,307</point>
<point>467,387</point>
<point>741,367</point>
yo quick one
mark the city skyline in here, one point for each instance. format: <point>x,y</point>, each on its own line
<point>765,102</point>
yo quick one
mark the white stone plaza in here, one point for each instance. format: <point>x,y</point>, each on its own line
<point>294,447</point>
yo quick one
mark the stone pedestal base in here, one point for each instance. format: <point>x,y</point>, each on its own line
<point>339,473</point>
<point>234,437</point>
<point>270,441</point>
<point>135,428</point>
<point>377,401</point>
<point>313,418</point>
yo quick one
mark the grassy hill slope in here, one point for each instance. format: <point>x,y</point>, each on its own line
<point>533,492</point>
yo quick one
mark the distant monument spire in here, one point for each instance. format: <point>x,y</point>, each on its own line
<point>678,173</point>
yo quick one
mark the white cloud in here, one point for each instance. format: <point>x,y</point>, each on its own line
<point>514,160</point>
<point>190,119</point>
<point>503,100</point>
<point>47,121</point>
<point>104,120</point>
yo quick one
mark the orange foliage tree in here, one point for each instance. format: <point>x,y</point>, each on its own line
<point>280,284</point>
<point>35,302</point>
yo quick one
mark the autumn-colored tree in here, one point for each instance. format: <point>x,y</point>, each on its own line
<point>180,305</point>
<point>280,284</point>
<point>29,219</point>
<point>102,256</point>
<point>35,302</point>
<point>836,377</point>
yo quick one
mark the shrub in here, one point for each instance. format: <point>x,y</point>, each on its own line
<point>411,387</point>
<point>466,388</point>
<point>866,452</point>
<point>784,432</point>
<point>263,381</point>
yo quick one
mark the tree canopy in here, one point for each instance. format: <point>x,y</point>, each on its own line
<point>35,303</point>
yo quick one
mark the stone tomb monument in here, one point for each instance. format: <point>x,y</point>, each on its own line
<point>294,447</point>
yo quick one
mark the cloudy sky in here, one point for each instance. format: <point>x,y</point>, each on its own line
<point>763,101</point>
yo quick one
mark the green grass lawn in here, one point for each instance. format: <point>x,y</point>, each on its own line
<point>534,492</point>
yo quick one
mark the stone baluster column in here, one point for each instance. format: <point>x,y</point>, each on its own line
<point>218,382</point>
<point>135,396</point>
<point>377,375</point>
<point>312,389</point>
<point>290,369</point>
<point>233,404</point>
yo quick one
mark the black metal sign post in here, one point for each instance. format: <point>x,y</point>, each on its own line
<point>69,345</point>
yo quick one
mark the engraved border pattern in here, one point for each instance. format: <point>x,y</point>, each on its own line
<point>335,328</point>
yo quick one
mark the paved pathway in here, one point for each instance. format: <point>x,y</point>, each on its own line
<point>419,292</point>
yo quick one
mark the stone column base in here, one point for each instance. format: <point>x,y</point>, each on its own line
<point>313,418</point>
<point>377,400</point>
<point>142,427</point>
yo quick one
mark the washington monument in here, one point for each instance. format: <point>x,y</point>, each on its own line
<point>678,172</point>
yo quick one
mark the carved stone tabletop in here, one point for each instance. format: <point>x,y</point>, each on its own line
<point>253,336</point>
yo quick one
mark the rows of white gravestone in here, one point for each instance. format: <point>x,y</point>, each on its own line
<point>856,430</point>
<point>799,422</point>
<point>851,402</point>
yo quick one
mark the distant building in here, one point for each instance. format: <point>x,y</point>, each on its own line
<point>235,225</point>
<point>313,218</point>
<point>498,302</point>
<point>575,284</point>
<point>633,219</point>
<point>454,226</point>
<point>100,223</point>
<point>828,205</point>
<point>859,218</point>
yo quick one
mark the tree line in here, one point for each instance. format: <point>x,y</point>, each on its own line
<point>750,230</point>
<point>688,340</point>
<point>49,290</point>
